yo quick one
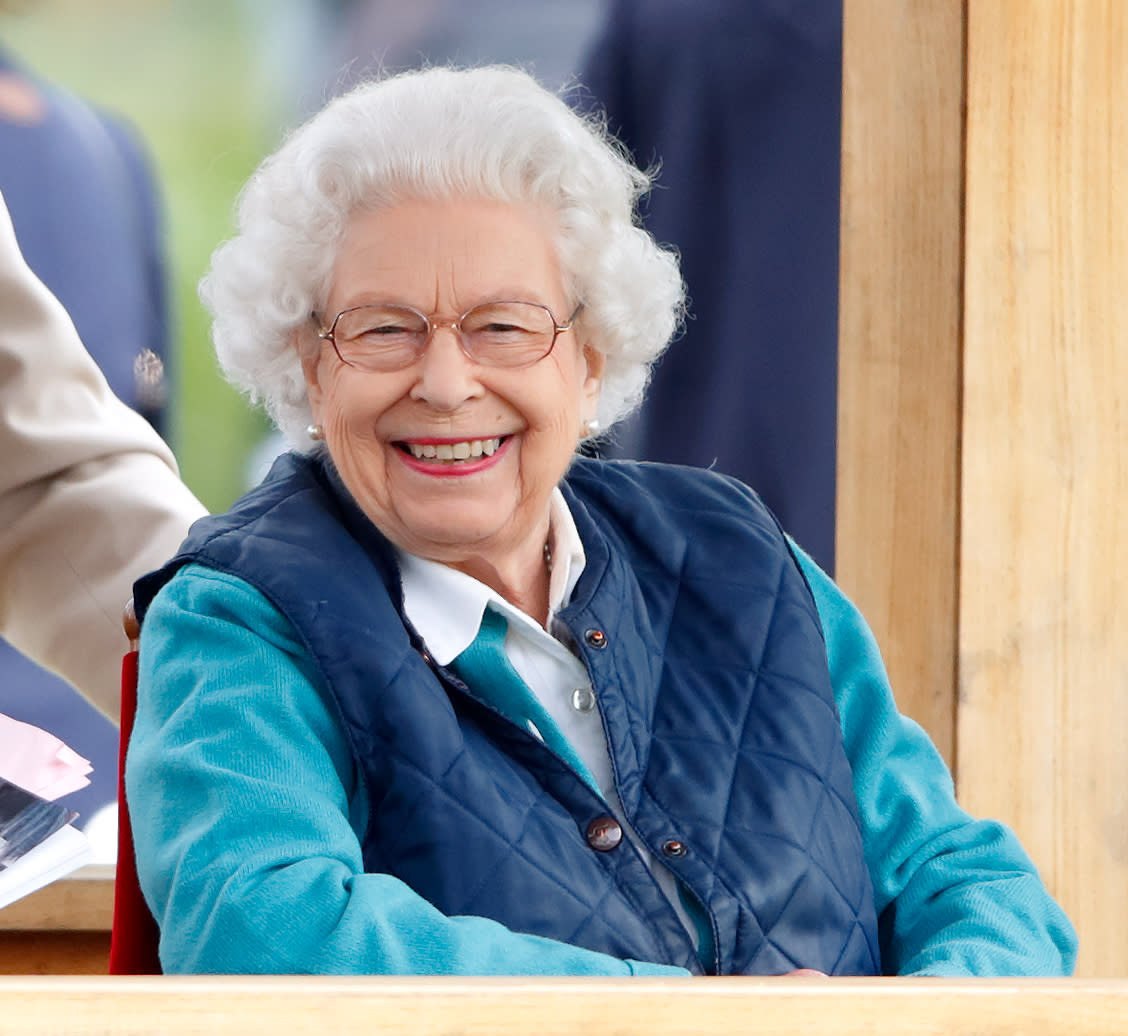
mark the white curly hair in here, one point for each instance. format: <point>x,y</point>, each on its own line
<point>490,132</point>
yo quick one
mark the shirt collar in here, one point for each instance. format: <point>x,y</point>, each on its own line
<point>446,606</point>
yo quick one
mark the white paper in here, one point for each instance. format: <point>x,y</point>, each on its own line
<point>53,858</point>
<point>39,761</point>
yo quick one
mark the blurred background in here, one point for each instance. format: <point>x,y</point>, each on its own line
<point>206,89</point>
<point>211,86</point>
<point>178,71</point>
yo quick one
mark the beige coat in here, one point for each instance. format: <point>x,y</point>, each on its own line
<point>90,497</point>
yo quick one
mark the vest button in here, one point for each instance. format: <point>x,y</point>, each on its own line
<point>596,639</point>
<point>673,848</point>
<point>583,699</point>
<point>604,834</point>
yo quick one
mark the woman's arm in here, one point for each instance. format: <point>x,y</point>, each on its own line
<point>954,895</point>
<point>245,811</point>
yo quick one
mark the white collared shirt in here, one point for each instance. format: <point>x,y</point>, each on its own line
<point>446,607</point>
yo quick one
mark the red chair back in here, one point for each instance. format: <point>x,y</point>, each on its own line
<point>134,937</point>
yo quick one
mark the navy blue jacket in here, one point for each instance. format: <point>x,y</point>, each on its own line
<point>704,648</point>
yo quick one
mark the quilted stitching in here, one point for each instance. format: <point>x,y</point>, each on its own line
<point>722,688</point>
<point>769,675</point>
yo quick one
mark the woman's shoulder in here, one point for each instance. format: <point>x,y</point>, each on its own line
<point>675,483</point>
<point>198,593</point>
<point>290,515</point>
<point>291,477</point>
<point>683,519</point>
<point>685,497</point>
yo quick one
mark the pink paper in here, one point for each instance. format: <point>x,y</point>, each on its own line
<point>39,762</point>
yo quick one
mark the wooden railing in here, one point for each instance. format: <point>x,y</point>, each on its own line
<point>555,1007</point>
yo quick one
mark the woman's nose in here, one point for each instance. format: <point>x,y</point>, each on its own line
<point>446,376</point>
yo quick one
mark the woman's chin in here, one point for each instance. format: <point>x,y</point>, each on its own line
<point>451,536</point>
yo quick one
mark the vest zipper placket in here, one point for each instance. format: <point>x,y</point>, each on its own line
<point>636,839</point>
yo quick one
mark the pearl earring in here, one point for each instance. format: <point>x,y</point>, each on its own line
<point>315,432</point>
<point>590,427</point>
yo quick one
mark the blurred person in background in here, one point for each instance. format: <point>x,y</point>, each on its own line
<point>89,493</point>
<point>342,42</point>
<point>82,197</point>
<point>547,37</point>
<point>739,103</point>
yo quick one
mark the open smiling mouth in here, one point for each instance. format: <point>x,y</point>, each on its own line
<point>453,452</point>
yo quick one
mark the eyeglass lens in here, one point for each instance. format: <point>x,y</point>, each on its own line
<point>498,334</point>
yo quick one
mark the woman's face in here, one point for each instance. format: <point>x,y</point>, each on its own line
<point>442,258</point>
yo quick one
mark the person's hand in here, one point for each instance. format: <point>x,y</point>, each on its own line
<point>805,973</point>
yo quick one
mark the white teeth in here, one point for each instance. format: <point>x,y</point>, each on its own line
<point>452,451</point>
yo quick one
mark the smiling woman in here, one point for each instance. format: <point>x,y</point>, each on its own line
<point>441,696</point>
<point>403,439</point>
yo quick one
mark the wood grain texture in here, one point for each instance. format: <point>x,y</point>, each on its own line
<point>1043,713</point>
<point>53,953</point>
<point>899,341</point>
<point>82,901</point>
<point>554,1007</point>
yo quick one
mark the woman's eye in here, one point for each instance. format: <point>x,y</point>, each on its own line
<point>387,329</point>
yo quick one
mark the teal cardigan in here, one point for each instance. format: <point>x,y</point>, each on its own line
<point>223,680</point>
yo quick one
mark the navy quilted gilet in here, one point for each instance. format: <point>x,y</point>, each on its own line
<point>711,676</point>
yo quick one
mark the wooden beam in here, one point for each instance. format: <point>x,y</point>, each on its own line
<point>82,901</point>
<point>53,953</point>
<point>1044,575</point>
<point>555,1007</point>
<point>899,347</point>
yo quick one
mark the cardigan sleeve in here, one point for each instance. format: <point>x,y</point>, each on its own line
<point>955,896</point>
<point>245,811</point>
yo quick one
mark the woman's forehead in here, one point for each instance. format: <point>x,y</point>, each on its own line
<point>442,251</point>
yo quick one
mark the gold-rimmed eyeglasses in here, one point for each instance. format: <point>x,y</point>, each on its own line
<point>385,337</point>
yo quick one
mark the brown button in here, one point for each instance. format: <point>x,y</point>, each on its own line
<point>604,834</point>
<point>596,639</point>
<point>674,848</point>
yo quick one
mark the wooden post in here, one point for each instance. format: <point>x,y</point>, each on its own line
<point>301,1005</point>
<point>983,438</point>
<point>1043,684</point>
<point>899,348</point>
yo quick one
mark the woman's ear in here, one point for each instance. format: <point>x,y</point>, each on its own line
<point>308,345</point>
<point>593,379</point>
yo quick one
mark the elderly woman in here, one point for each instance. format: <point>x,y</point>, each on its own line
<point>442,697</point>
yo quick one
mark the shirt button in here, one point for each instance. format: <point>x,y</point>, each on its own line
<point>583,699</point>
<point>674,848</point>
<point>604,834</point>
<point>596,639</point>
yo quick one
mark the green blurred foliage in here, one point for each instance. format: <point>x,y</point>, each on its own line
<point>183,72</point>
